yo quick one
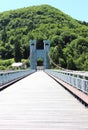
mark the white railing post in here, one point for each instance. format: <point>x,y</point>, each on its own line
<point>6,77</point>
<point>76,80</point>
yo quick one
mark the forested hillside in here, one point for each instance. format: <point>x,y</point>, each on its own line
<point>69,37</point>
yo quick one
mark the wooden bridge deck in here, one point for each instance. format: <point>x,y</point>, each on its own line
<point>37,102</point>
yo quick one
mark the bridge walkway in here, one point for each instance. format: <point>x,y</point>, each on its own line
<point>37,102</point>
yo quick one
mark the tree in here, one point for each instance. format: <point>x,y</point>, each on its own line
<point>62,63</point>
<point>4,35</point>
<point>17,50</point>
<point>54,54</point>
<point>68,36</point>
<point>70,64</point>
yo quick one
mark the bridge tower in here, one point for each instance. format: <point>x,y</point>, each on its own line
<point>39,49</point>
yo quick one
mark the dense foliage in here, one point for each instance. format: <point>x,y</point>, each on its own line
<point>69,37</point>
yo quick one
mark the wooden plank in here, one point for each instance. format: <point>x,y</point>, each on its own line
<point>37,102</point>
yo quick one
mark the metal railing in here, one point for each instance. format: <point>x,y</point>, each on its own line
<point>76,79</point>
<point>9,76</point>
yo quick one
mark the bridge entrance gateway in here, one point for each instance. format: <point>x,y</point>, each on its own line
<point>39,50</point>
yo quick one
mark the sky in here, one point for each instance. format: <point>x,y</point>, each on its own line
<point>77,9</point>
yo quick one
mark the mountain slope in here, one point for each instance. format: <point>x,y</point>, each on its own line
<point>44,22</point>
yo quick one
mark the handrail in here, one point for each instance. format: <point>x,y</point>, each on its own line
<point>76,79</point>
<point>8,76</point>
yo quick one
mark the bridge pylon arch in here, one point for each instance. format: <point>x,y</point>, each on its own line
<point>39,49</point>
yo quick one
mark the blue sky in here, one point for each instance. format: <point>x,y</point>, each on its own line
<point>77,9</point>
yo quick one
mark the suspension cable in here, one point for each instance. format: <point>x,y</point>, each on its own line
<point>55,63</point>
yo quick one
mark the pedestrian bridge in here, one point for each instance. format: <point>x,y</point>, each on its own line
<point>43,100</point>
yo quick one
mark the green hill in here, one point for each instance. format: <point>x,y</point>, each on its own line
<point>68,36</point>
